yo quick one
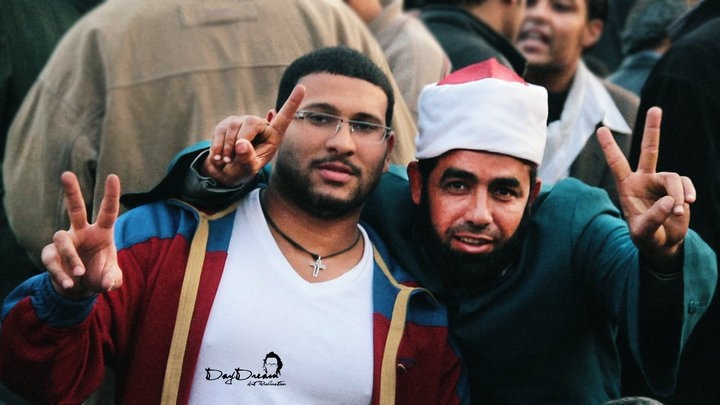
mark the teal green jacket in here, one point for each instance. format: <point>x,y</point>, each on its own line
<point>545,333</point>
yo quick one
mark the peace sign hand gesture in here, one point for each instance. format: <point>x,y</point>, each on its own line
<point>656,205</point>
<point>242,145</point>
<point>83,260</point>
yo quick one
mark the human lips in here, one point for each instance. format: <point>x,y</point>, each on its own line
<point>336,172</point>
<point>473,243</point>
<point>532,38</point>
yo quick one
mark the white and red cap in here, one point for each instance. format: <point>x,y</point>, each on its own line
<point>484,107</point>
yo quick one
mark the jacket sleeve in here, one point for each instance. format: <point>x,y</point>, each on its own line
<point>656,312</point>
<point>56,350</point>
<point>51,348</point>
<point>183,181</point>
<point>670,309</point>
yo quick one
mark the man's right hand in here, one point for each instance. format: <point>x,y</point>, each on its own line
<point>243,145</point>
<point>83,260</point>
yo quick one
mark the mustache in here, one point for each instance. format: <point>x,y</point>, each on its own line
<point>354,170</point>
<point>469,227</point>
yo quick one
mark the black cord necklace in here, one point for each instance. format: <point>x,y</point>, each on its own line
<point>317,264</point>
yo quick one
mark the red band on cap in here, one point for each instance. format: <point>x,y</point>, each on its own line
<point>490,68</point>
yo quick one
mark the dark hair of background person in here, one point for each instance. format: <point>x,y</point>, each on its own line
<point>339,61</point>
<point>647,24</point>
<point>608,50</point>
<point>597,9</point>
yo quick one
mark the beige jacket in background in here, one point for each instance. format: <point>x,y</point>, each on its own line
<point>135,81</point>
<point>414,55</point>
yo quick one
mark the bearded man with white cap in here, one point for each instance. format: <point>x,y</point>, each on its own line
<point>537,282</point>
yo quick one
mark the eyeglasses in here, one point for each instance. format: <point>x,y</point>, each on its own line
<point>363,131</point>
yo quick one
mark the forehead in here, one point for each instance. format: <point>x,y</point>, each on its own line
<point>345,94</point>
<point>485,166</point>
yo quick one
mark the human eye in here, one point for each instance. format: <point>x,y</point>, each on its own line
<point>320,119</point>
<point>506,192</point>
<point>506,188</point>
<point>455,187</point>
<point>563,6</point>
<point>365,127</point>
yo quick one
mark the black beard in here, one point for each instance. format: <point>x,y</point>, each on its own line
<point>296,187</point>
<point>463,272</point>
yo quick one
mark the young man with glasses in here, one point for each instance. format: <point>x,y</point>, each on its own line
<point>186,305</point>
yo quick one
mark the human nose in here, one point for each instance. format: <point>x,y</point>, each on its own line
<point>342,140</point>
<point>479,211</point>
<point>339,125</point>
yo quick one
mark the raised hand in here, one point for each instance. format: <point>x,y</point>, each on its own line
<point>242,145</point>
<point>655,205</point>
<point>83,260</point>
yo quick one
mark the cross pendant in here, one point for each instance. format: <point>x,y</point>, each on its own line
<point>317,266</point>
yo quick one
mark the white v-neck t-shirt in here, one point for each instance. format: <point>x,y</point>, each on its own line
<point>274,338</point>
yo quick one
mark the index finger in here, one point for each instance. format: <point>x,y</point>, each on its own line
<point>74,200</point>
<point>110,204</point>
<point>284,117</point>
<point>650,146</point>
<point>614,156</point>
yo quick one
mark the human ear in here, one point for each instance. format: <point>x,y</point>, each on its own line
<point>534,191</point>
<point>416,182</point>
<point>592,33</point>
<point>388,152</point>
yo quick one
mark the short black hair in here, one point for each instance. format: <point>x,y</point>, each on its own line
<point>337,60</point>
<point>647,23</point>
<point>598,9</point>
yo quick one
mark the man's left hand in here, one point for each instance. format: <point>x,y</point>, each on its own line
<point>656,205</point>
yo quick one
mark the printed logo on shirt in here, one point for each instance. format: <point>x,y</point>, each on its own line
<point>269,376</point>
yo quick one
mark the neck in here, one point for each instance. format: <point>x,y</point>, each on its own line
<point>488,13</point>
<point>291,226</point>
<point>554,79</point>
<point>294,221</point>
